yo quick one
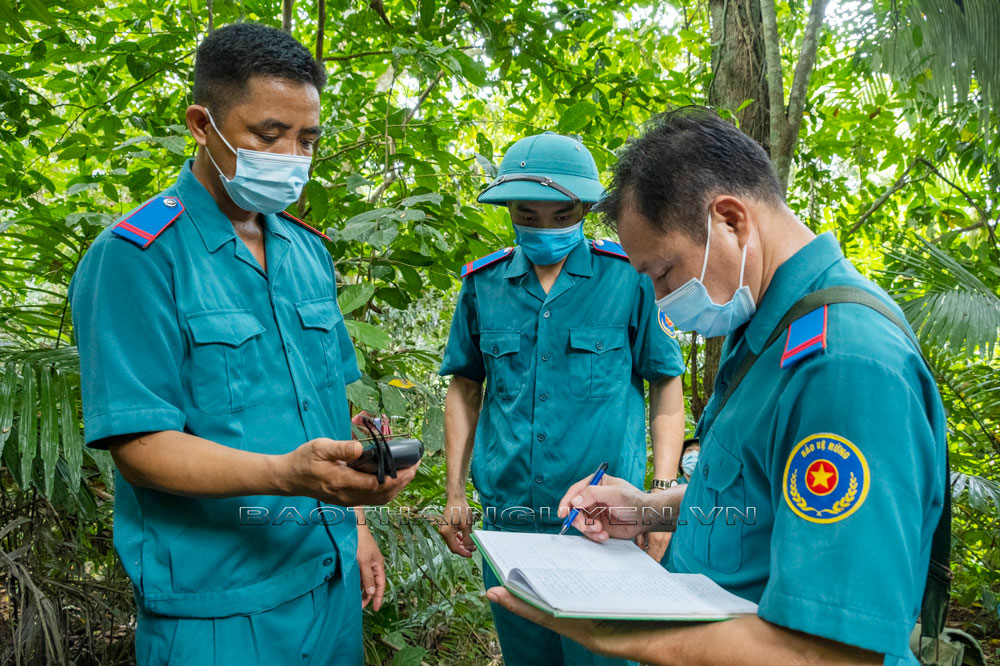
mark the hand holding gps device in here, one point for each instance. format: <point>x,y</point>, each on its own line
<point>383,456</point>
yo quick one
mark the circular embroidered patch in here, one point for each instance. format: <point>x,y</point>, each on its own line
<point>826,478</point>
<point>666,324</point>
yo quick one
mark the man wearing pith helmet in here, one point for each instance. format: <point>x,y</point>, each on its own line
<point>564,334</point>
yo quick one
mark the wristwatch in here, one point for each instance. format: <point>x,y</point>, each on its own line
<point>661,484</point>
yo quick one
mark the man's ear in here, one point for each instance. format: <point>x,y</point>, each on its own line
<point>735,213</point>
<point>198,123</point>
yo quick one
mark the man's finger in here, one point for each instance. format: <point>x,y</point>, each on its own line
<point>378,568</point>
<point>565,504</point>
<point>500,595</point>
<point>346,450</point>
<point>454,541</point>
<point>367,582</point>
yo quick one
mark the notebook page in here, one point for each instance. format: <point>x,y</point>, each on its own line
<point>632,593</point>
<point>508,550</point>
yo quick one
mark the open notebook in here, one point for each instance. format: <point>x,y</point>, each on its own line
<point>572,576</point>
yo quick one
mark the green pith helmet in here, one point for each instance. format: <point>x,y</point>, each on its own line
<point>545,167</point>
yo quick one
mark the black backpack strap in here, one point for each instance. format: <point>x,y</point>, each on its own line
<point>934,608</point>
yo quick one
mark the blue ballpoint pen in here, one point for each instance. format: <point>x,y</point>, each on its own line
<point>575,512</point>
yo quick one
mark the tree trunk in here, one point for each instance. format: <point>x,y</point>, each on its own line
<point>747,66</point>
<point>740,75</point>
<point>739,66</point>
<point>286,16</point>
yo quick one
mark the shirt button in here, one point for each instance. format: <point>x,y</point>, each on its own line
<point>723,387</point>
<point>704,471</point>
<point>547,314</point>
<point>305,405</point>
<point>539,479</point>
<point>328,561</point>
<point>543,397</point>
<point>541,437</point>
<point>496,349</point>
<point>545,357</point>
<point>599,345</point>
<point>328,577</point>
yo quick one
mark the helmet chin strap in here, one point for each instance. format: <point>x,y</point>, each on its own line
<point>541,180</point>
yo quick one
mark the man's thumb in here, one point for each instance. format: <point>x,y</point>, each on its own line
<point>346,450</point>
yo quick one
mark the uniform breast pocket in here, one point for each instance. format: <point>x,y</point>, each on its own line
<point>598,363</point>
<point>320,342</point>
<point>500,349</point>
<point>228,374</point>
<point>718,509</point>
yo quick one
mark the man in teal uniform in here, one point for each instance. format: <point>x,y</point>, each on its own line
<point>825,456</point>
<point>213,362</point>
<point>564,334</point>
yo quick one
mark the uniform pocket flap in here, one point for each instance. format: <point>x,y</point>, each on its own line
<point>322,313</point>
<point>228,327</point>
<point>596,339</point>
<point>497,344</point>
<point>720,467</point>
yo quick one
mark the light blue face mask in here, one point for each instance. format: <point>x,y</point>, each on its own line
<point>691,308</point>
<point>689,461</point>
<point>263,182</point>
<point>547,246</point>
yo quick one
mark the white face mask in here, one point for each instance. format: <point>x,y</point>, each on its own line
<point>264,182</point>
<point>689,461</point>
<point>692,309</point>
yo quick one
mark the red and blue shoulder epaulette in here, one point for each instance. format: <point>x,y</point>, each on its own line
<point>606,246</point>
<point>483,262</point>
<point>806,336</point>
<point>295,220</point>
<point>148,221</point>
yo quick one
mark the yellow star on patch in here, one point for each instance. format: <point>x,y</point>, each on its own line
<point>821,477</point>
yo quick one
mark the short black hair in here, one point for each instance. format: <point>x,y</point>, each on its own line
<point>231,55</point>
<point>683,159</point>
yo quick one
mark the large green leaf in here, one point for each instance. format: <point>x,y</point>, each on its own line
<point>27,428</point>
<point>944,301</point>
<point>366,333</point>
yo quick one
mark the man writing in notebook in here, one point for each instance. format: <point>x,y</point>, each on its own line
<point>564,333</point>
<point>824,422</point>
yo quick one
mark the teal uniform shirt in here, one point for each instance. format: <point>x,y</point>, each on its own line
<point>190,334</point>
<point>819,485</point>
<point>564,376</point>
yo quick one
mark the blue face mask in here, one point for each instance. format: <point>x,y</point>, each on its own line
<point>264,182</point>
<point>547,246</point>
<point>689,461</point>
<point>691,308</point>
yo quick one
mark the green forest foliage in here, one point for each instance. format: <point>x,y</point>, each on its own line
<point>895,156</point>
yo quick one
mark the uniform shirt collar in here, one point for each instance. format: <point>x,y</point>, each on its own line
<point>214,227</point>
<point>578,262</point>
<point>793,280</point>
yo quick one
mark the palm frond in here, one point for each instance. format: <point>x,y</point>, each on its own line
<point>972,394</point>
<point>40,436</point>
<point>950,50</point>
<point>981,493</point>
<point>945,303</point>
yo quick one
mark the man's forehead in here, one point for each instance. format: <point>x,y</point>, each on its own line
<point>544,206</point>
<point>276,99</point>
